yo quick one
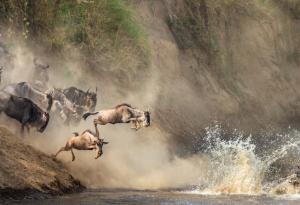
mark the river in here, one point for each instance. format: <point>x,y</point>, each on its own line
<point>103,197</point>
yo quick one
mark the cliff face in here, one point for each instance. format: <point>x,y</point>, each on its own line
<point>25,171</point>
<point>236,62</point>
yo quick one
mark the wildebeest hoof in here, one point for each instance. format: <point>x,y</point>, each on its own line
<point>134,128</point>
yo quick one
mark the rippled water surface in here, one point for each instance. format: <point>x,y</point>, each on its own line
<point>97,197</point>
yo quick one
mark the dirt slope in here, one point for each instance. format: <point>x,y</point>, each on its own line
<point>26,171</point>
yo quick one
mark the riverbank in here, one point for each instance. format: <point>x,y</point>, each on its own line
<point>28,173</point>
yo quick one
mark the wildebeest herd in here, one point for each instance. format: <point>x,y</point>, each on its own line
<point>33,106</point>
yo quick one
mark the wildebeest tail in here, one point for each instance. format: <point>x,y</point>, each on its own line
<point>76,134</point>
<point>86,115</point>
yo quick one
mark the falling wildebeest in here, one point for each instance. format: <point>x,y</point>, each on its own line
<point>86,100</point>
<point>24,111</point>
<point>25,90</point>
<point>123,113</point>
<point>86,141</point>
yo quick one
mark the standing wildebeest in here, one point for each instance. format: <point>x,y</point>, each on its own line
<point>86,100</point>
<point>25,90</point>
<point>66,108</point>
<point>53,96</point>
<point>41,74</point>
<point>86,141</point>
<point>24,111</point>
<point>123,113</point>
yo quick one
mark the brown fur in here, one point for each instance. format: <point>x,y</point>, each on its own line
<point>123,104</point>
<point>122,113</point>
<point>86,141</point>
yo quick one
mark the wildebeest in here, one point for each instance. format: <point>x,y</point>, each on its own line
<point>67,110</point>
<point>25,90</point>
<point>40,76</point>
<point>24,111</point>
<point>86,100</point>
<point>123,113</point>
<point>65,107</point>
<point>86,141</point>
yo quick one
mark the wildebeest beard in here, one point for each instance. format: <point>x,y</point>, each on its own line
<point>42,129</point>
<point>147,116</point>
<point>37,117</point>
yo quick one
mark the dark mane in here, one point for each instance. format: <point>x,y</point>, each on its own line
<point>123,104</point>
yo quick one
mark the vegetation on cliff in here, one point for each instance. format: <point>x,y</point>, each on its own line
<point>102,32</point>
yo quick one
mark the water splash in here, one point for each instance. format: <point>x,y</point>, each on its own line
<point>235,167</point>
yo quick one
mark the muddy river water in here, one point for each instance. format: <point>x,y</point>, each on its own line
<point>103,197</point>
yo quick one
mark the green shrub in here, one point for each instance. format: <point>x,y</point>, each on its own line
<point>73,22</point>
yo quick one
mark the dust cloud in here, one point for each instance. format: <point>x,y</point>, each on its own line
<point>132,159</point>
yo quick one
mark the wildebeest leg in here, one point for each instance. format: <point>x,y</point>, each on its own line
<point>28,129</point>
<point>97,121</point>
<point>135,123</point>
<point>92,147</point>
<point>22,130</point>
<point>96,130</point>
<point>99,152</point>
<point>73,156</point>
<point>25,120</point>
<point>60,150</point>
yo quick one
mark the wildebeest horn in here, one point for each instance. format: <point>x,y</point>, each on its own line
<point>96,89</point>
<point>88,90</point>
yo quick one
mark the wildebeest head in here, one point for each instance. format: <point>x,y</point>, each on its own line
<point>44,121</point>
<point>146,119</point>
<point>41,120</point>
<point>91,100</point>
<point>100,144</point>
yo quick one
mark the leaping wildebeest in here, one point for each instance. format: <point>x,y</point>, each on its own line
<point>123,113</point>
<point>24,111</point>
<point>86,141</point>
